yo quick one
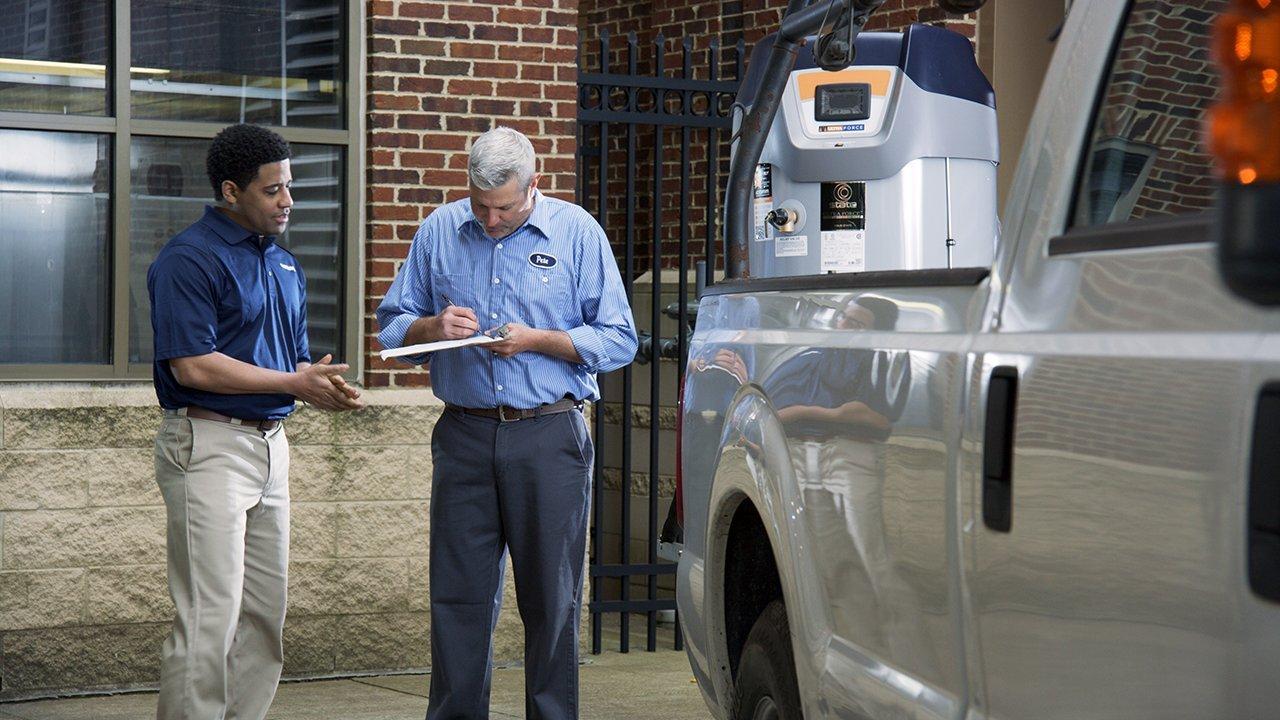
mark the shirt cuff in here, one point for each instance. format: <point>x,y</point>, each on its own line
<point>589,346</point>
<point>392,336</point>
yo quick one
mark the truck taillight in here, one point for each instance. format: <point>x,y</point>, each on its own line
<point>1244,127</point>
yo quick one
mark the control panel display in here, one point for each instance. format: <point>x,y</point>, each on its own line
<point>842,102</point>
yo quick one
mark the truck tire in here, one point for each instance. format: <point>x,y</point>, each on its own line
<point>766,686</point>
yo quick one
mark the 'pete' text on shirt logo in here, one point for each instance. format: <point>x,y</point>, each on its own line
<point>542,260</point>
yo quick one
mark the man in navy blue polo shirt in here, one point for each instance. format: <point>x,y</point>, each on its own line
<point>512,458</point>
<point>228,307</point>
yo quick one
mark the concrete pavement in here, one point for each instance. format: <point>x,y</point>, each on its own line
<point>635,686</point>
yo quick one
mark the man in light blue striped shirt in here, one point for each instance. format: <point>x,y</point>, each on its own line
<point>512,457</point>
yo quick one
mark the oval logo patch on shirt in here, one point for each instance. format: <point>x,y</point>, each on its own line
<point>542,260</point>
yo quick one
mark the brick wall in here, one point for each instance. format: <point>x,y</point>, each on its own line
<point>728,22</point>
<point>440,73</point>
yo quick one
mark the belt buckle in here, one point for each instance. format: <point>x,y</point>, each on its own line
<point>502,415</point>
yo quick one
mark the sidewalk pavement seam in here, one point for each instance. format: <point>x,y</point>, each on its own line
<point>492,713</point>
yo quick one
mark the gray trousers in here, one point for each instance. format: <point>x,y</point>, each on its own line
<point>226,492</point>
<point>523,487</point>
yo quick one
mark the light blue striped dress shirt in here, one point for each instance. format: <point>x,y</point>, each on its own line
<point>556,272</point>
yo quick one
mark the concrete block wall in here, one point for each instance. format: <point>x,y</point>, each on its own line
<point>84,601</point>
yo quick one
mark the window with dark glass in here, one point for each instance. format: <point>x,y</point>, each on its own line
<point>102,163</point>
<point>53,56</point>
<point>169,191</point>
<point>270,63</point>
<point>1147,158</point>
<point>55,304</point>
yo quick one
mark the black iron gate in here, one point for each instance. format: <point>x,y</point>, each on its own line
<point>653,113</point>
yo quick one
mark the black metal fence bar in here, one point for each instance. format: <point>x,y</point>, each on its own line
<point>597,501</point>
<point>624,620</point>
<point>655,319</point>
<point>605,99</point>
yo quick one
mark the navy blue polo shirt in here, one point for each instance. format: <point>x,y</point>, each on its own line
<point>218,286</point>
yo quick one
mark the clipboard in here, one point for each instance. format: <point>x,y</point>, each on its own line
<point>437,346</point>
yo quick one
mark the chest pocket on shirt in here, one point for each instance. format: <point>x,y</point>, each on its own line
<point>546,295</point>
<point>456,288</point>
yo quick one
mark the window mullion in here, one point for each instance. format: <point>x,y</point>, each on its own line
<point>120,200</point>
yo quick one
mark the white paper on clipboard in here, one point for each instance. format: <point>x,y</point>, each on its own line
<point>437,346</point>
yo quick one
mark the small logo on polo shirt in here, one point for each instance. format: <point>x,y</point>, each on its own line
<point>543,260</point>
<point>290,268</point>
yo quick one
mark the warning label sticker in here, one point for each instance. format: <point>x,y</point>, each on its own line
<point>844,223</point>
<point>762,190</point>
<point>791,246</point>
<point>844,206</point>
<point>844,251</point>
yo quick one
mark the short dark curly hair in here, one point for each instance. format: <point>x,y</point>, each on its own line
<point>238,151</point>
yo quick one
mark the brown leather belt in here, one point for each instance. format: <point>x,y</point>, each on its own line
<point>510,414</point>
<point>200,413</point>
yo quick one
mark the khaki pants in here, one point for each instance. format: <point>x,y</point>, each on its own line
<point>226,491</point>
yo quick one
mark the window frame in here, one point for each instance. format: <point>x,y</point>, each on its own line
<point>1130,233</point>
<point>121,128</point>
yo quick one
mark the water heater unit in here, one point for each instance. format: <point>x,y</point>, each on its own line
<point>889,164</point>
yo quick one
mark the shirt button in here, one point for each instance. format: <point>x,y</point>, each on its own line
<point>493,315</point>
<point>544,278</point>
<point>499,246</point>
<point>496,281</point>
<point>499,388</point>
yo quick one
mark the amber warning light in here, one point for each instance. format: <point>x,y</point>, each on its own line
<point>1244,136</point>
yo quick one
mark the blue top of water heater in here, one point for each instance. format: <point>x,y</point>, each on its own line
<point>936,59</point>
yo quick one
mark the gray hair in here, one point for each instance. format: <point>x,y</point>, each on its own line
<point>499,155</point>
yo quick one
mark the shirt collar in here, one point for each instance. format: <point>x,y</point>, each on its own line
<point>229,230</point>
<point>540,218</point>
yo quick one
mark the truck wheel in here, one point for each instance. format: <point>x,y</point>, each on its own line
<point>766,686</point>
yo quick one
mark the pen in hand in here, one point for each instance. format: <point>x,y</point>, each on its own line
<point>459,323</point>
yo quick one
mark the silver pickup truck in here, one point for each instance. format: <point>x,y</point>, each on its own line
<point>1044,488</point>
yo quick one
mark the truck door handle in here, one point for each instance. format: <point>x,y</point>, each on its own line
<point>1264,496</point>
<point>997,449</point>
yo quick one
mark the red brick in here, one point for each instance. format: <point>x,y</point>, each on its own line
<point>421,160</point>
<point>424,48</point>
<point>494,107</point>
<point>446,30</point>
<point>387,26</point>
<point>520,52</point>
<point>444,178</point>
<point>470,87</point>
<point>446,67</point>
<point>480,51</point>
<point>496,70</point>
<point>468,124</point>
<point>419,85</point>
<point>438,141</point>
<point>418,121</point>
<point>498,33</point>
<point>422,9</point>
<point>471,13</point>
<point>520,16</point>
<point>519,89</point>
<point>393,139</point>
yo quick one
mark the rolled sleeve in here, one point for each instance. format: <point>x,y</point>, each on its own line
<point>408,298</point>
<point>589,346</point>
